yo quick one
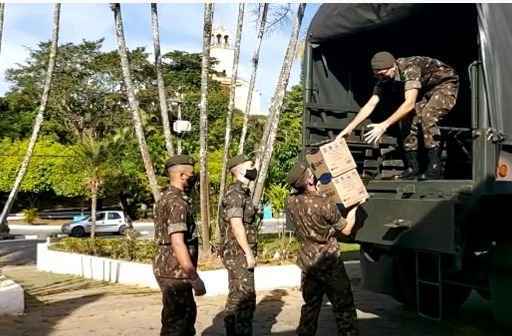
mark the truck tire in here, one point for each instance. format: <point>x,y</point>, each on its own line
<point>405,271</point>
<point>500,279</point>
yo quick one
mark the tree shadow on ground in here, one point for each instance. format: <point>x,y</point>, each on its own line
<point>267,310</point>
<point>44,305</point>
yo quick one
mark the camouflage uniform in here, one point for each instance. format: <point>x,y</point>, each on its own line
<point>317,221</point>
<point>241,301</point>
<point>173,214</point>
<point>438,86</point>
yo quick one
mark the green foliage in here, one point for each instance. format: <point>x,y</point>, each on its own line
<point>88,100</point>
<point>125,249</point>
<point>47,170</point>
<point>93,160</point>
<point>276,194</point>
<point>289,137</point>
<point>271,248</point>
<point>277,249</point>
<point>30,215</point>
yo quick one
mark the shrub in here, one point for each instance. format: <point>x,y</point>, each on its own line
<point>30,215</point>
<point>125,249</point>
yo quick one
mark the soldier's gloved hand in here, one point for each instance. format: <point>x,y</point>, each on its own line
<point>251,262</point>
<point>198,286</point>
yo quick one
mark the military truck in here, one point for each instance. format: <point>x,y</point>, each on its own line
<point>426,243</point>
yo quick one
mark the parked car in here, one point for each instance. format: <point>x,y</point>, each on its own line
<point>106,222</point>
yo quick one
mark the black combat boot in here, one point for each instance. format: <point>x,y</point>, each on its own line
<point>230,325</point>
<point>413,167</point>
<point>434,169</point>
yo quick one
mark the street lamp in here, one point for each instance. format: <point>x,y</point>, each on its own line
<point>179,126</point>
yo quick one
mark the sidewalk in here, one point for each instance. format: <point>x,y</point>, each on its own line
<point>59,305</point>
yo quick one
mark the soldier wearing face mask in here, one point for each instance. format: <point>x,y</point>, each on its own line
<point>238,243</point>
<point>175,262</point>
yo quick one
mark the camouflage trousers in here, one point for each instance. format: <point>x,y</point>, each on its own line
<point>336,285</point>
<point>430,109</point>
<point>179,310</point>
<point>241,302</point>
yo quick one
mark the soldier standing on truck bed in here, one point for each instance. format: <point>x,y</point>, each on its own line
<point>318,223</point>
<point>238,247</point>
<point>175,262</point>
<point>430,91</point>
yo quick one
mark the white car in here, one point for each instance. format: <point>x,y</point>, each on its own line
<point>106,222</point>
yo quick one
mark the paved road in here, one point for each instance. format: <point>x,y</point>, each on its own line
<point>43,231</point>
<point>18,252</point>
<point>145,228</point>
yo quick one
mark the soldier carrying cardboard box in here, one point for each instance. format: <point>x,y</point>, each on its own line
<point>318,223</point>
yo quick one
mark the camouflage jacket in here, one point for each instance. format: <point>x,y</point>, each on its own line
<point>317,221</point>
<point>417,72</point>
<point>173,213</point>
<point>237,203</point>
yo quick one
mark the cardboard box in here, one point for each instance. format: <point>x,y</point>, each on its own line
<point>334,158</point>
<point>335,168</point>
<point>347,189</point>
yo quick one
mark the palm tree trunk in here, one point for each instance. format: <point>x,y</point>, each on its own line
<point>3,224</point>
<point>38,121</point>
<point>132,99</point>
<point>252,83</point>
<point>160,80</point>
<point>203,127</point>
<point>267,142</point>
<point>2,10</point>
<point>94,201</point>
<point>231,107</point>
<point>180,102</point>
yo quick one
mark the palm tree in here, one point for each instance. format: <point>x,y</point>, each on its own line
<point>133,102</point>
<point>203,127</point>
<point>3,224</point>
<point>2,8</point>
<point>37,123</point>
<point>160,80</point>
<point>91,156</point>
<point>267,142</point>
<point>229,117</point>
<point>255,62</point>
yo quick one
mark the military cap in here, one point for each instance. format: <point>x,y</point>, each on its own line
<point>382,60</point>
<point>179,160</point>
<point>236,160</point>
<point>296,174</point>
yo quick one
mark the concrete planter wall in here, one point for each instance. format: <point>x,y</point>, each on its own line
<point>132,273</point>
<point>11,297</point>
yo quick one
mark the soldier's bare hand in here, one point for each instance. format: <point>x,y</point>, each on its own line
<point>251,262</point>
<point>198,286</point>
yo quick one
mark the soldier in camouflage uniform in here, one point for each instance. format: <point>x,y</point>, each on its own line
<point>430,88</point>
<point>318,223</point>
<point>175,262</point>
<point>238,239</point>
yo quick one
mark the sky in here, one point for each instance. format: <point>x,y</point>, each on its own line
<point>181,28</point>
